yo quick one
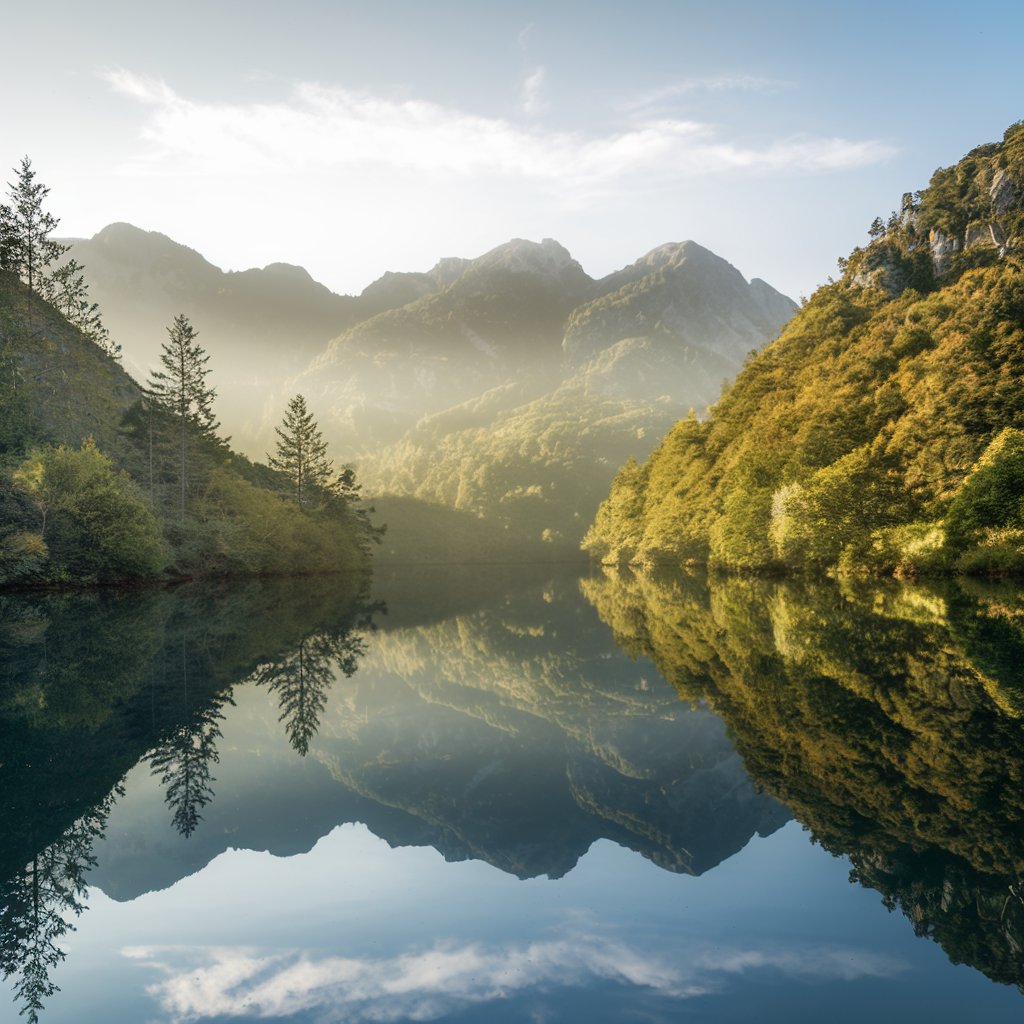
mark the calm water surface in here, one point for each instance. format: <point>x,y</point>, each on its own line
<point>513,795</point>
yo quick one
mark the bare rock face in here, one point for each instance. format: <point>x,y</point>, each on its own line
<point>943,247</point>
<point>881,270</point>
<point>988,233</point>
<point>1004,191</point>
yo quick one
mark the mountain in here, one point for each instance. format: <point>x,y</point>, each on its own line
<point>882,431</point>
<point>684,292</point>
<point>535,456</point>
<point>256,325</point>
<point>499,319</point>
<point>508,387</point>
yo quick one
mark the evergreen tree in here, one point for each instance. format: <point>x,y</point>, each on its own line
<point>65,289</point>
<point>26,247</point>
<point>181,389</point>
<point>302,455</point>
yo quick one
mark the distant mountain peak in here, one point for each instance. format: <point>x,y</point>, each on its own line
<point>523,256</point>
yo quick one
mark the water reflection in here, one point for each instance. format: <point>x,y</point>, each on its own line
<point>95,684</point>
<point>888,718</point>
<point>506,722</point>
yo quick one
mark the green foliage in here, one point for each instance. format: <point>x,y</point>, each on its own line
<point>909,550</point>
<point>993,493</point>
<point>870,411</point>
<point>236,528</point>
<point>92,518</point>
<point>836,508</point>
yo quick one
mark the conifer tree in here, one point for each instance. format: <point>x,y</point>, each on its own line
<point>65,289</point>
<point>302,455</point>
<point>25,228</point>
<point>181,389</point>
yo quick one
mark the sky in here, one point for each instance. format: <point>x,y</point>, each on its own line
<point>353,138</point>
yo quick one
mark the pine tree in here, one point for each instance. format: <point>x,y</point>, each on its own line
<point>25,228</point>
<point>302,455</point>
<point>65,289</point>
<point>181,389</point>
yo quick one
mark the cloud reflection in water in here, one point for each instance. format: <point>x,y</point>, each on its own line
<point>212,982</point>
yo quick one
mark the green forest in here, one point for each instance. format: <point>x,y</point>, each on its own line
<point>105,480</point>
<point>883,431</point>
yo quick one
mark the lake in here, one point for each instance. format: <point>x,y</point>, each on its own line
<point>513,794</point>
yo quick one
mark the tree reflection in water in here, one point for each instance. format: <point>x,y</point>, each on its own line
<point>91,685</point>
<point>888,718</point>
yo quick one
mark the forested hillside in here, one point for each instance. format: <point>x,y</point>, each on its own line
<point>103,480</point>
<point>884,430</point>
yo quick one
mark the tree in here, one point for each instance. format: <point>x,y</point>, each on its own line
<point>181,389</point>
<point>65,289</point>
<point>25,228</point>
<point>302,455</point>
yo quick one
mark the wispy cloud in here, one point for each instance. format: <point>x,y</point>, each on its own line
<point>327,128</point>
<point>532,97</point>
<point>711,83</point>
<point>226,982</point>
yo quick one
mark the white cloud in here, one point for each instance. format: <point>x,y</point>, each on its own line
<point>227,982</point>
<point>532,98</point>
<point>330,129</point>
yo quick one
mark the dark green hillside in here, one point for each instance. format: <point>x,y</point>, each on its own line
<point>91,486</point>
<point>881,431</point>
<point>56,384</point>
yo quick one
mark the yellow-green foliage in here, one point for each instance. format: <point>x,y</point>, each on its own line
<point>237,528</point>
<point>92,518</point>
<point>887,709</point>
<point>868,413</point>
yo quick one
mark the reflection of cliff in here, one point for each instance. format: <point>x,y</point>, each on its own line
<point>521,735</point>
<point>887,718</point>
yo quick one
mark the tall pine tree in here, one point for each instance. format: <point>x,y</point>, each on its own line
<point>25,228</point>
<point>180,388</point>
<point>301,455</point>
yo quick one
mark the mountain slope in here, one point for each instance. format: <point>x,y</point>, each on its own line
<point>684,291</point>
<point>535,457</point>
<point>849,440</point>
<point>500,319</point>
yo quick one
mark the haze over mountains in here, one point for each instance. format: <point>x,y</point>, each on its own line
<point>510,386</point>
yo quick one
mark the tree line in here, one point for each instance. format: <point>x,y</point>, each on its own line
<point>171,495</point>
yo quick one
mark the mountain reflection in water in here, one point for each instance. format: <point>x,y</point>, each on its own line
<point>495,717</point>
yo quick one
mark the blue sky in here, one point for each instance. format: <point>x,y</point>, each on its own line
<point>354,138</point>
